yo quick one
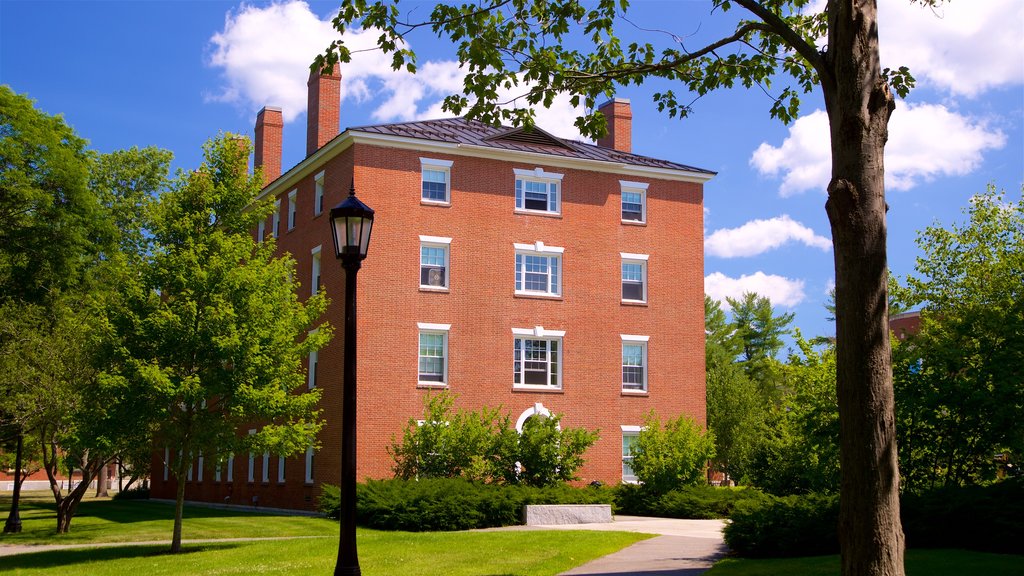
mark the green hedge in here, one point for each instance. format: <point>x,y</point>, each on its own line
<point>691,502</point>
<point>778,527</point>
<point>450,503</point>
<point>985,518</point>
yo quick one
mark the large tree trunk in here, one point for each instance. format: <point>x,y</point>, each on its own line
<point>101,482</point>
<point>859,105</point>
<point>13,523</point>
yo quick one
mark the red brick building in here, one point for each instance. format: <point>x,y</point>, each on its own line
<point>512,268</point>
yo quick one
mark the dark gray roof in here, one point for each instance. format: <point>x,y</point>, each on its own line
<point>472,132</point>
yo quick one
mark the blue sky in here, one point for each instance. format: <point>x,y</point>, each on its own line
<point>173,73</point>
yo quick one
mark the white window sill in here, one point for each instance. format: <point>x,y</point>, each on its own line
<point>635,222</point>
<point>433,288</point>
<point>635,302</point>
<point>535,388</point>
<point>632,392</point>
<point>434,202</point>
<point>437,385</point>
<point>543,295</point>
<point>538,213</point>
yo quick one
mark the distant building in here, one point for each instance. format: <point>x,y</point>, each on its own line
<point>510,267</point>
<point>905,323</point>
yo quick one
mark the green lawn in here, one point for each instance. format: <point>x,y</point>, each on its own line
<point>918,563</point>
<point>503,553</point>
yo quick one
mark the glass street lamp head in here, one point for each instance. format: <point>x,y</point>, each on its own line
<point>351,222</point>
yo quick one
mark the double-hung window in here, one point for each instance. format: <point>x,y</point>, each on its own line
<point>538,191</point>
<point>434,253</point>
<point>314,280</point>
<point>261,230</point>
<point>309,465</point>
<point>280,469</point>
<point>634,277</point>
<point>314,361</point>
<point>630,434</point>
<point>433,354</point>
<point>275,228</point>
<point>634,202</point>
<point>318,194</point>
<point>538,269</point>
<point>292,208</point>
<point>435,181</point>
<point>634,363</point>
<point>537,358</point>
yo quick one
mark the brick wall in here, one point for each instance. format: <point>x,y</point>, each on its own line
<point>482,308</point>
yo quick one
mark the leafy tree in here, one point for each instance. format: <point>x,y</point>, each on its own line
<point>670,456</point>
<point>734,403</point>
<point>213,331</point>
<point>51,216</point>
<point>798,450</point>
<point>548,47</point>
<point>959,392</point>
<point>548,454</point>
<point>448,443</point>
<point>761,332</point>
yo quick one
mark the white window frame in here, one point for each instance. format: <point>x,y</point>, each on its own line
<point>318,193</point>
<point>636,188</point>
<point>231,467</point>
<point>199,469</point>
<point>640,259</point>
<point>188,473</point>
<point>261,230</point>
<point>293,208</point>
<point>445,245</point>
<point>275,227</point>
<point>280,469</point>
<point>442,166</point>
<point>251,475</point>
<point>315,279</point>
<point>265,472</point>
<point>553,185</point>
<point>520,335</point>
<point>435,329</point>
<point>538,250</point>
<point>309,465</point>
<point>218,470</point>
<point>641,341</point>
<point>167,460</point>
<point>634,432</point>
<point>313,367</point>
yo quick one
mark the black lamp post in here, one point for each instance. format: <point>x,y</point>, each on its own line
<point>351,223</point>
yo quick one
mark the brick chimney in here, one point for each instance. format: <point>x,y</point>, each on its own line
<point>269,126</point>
<point>619,116</point>
<point>323,110</point>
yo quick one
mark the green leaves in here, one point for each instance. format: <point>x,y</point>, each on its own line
<point>670,456</point>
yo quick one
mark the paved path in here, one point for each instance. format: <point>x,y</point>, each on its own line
<point>682,547</point>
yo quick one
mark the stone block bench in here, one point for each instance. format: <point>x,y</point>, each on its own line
<point>553,514</point>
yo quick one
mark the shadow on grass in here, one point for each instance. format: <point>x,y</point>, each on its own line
<point>65,557</point>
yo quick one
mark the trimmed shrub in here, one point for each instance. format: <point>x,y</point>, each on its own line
<point>434,504</point>
<point>690,502</point>
<point>138,493</point>
<point>666,458</point>
<point>985,518</point>
<point>778,527</point>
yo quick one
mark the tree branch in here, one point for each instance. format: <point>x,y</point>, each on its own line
<point>776,25</point>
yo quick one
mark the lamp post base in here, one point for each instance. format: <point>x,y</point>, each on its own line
<point>347,571</point>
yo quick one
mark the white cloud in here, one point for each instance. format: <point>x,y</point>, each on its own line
<point>781,291</point>
<point>925,141</point>
<point>264,54</point>
<point>964,48</point>
<point>759,236</point>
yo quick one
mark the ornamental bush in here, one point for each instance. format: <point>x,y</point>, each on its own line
<point>451,503</point>
<point>778,527</point>
<point>689,502</point>
<point>666,458</point>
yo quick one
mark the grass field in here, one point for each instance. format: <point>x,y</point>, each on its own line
<point>501,553</point>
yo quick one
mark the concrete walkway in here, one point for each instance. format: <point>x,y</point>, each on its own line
<point>682,547</point>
